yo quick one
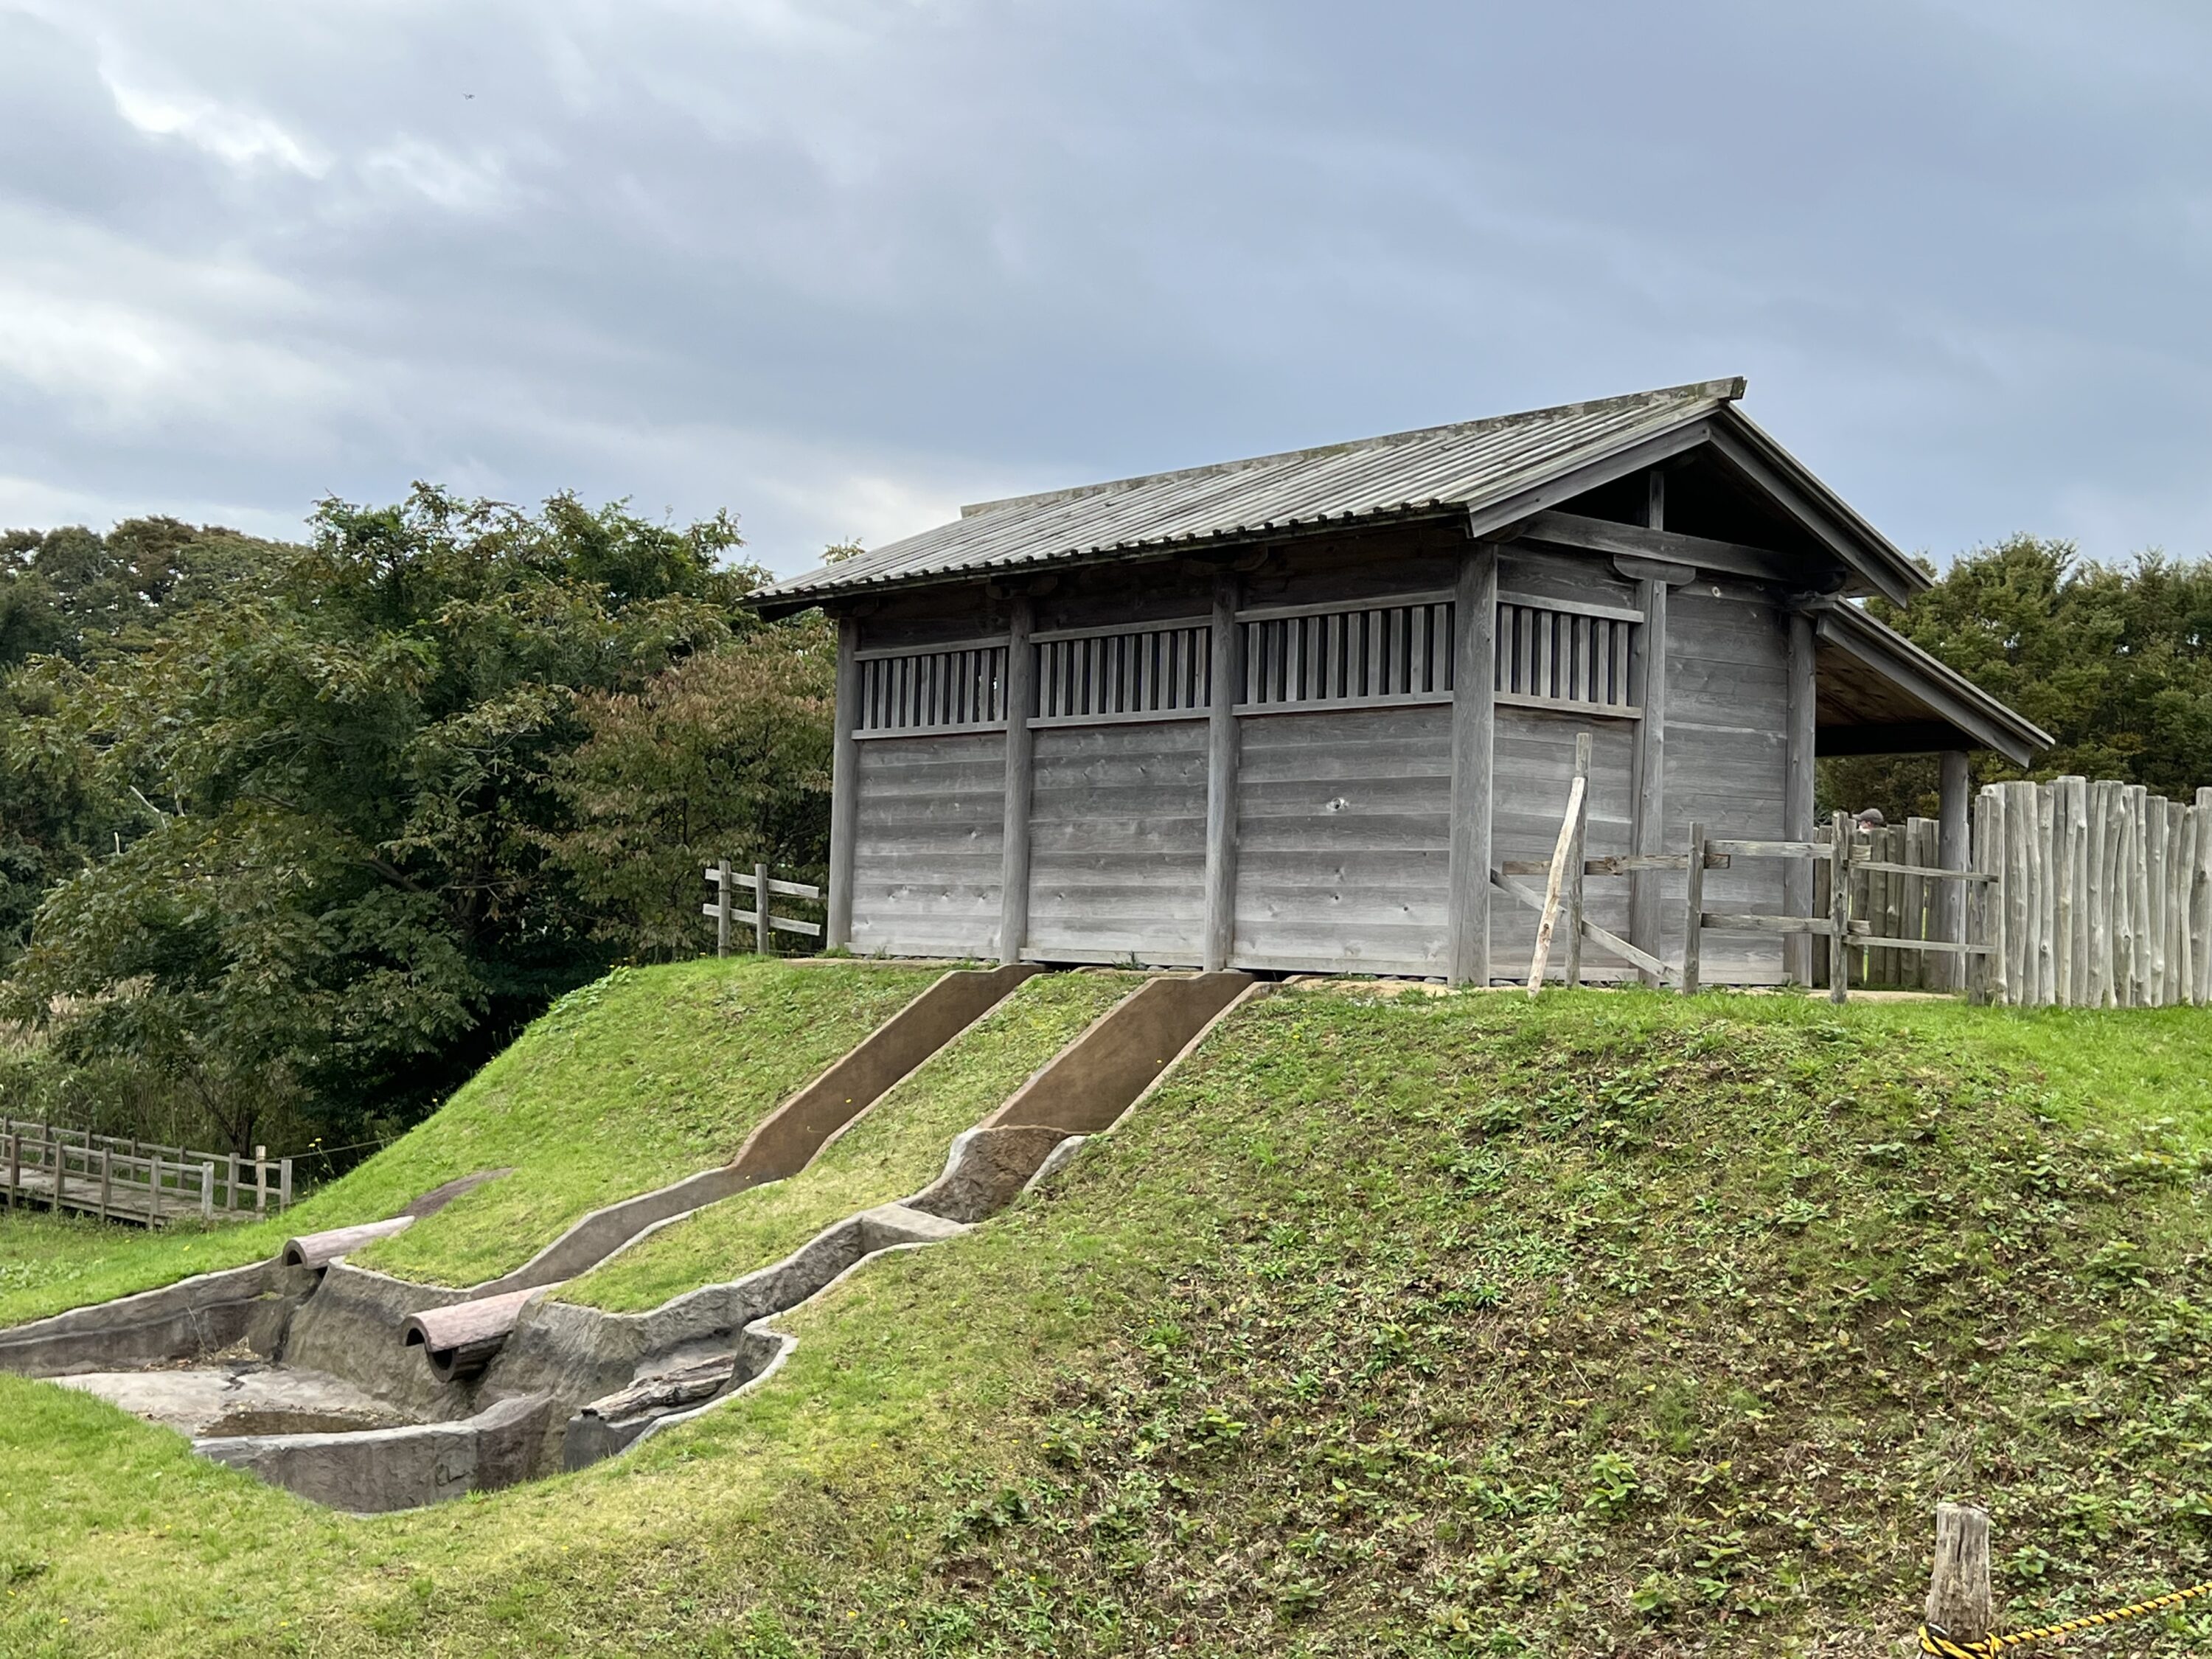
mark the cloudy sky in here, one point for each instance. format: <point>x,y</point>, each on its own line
<point>840,264</point>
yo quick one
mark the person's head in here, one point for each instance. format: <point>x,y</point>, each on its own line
<point>1871,818</point>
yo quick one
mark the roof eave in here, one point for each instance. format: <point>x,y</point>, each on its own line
<point>1861,548</point>
<point>1991,724</point>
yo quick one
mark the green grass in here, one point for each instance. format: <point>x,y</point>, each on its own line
<point>629,1083</point>
<point>1606,1323</point>
<point>892,1152</point>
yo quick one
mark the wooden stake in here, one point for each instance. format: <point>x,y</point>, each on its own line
<point>1550,915</point>
<point>725,914</point>
<point>1693,910</point>
<point>1959,1603</point>
<point>761,945</point>
<point>1839,908</point>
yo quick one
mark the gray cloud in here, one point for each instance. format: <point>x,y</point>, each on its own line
<point>838,264</point>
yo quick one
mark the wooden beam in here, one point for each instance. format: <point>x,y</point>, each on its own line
<point>1597,935</point>
<point>1502,518</point>
<point>1802,731</point>
<point>844,785</point>
<point>1021,774</point>
<point>1475,671</point>
<point>1809,512</point>
<point>1586,535</point>
<point>1226,671</point>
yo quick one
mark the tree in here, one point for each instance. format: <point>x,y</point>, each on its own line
<point>2114,662</point>
<point>726,756</point>
<point>343,898</point>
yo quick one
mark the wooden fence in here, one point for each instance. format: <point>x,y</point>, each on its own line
<point>2104,897</point>
<point>117,1180</point>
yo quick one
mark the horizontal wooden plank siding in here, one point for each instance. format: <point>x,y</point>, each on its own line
<point>1117,844</point>
<point>1532,771</point>
<point>927,856</point>
<point>1728,756</point>
<point>1343,837</point>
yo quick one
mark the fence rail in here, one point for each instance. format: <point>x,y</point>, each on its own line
<point>61,1168</point>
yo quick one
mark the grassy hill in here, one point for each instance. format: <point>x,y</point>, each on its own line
<point>893,1150</point>
<point>630,1083</point>
<point>1610,1323</point>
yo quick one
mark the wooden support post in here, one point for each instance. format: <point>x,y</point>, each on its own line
<point>844,787</point>
<point>1959,1602</point>
<point>1797,795</point>
<point>1226,671</point>
<point>1693,910</point>
<point>207,1192</point>
<point>154,1190</point>
<point>1576,856</point>
<point>1648,815</point>
<point>1839,909</point>
<point>14,1163</point>
<point>725,907</point>
<point>763,945</point>
<point>106,1181</point>
<point>261,1180</point>
<point>283,1183</point>
<point>231,1182</point>
<point>1021,775</point>
<point>1955,786</point>
<point>1475,685</point>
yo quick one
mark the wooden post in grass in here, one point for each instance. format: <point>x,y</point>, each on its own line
<point>260,1181</point>
<point>1960,1604</point>
<point>15,1165</point>
<point>106,1183</point>
<point>1693,890</point>
<point>761,945</point>
<point>725,914</point>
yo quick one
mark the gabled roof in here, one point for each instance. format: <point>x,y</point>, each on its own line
<point>1483,468</point>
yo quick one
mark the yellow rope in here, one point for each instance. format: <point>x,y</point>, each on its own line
<point>1935,1642</point>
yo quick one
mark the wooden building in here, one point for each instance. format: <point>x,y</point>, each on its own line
<point>1290,714</point>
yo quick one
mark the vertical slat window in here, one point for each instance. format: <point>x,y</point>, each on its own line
<point>934,690</point>
<point>1349,656</point>
<point>1564,656</point>
<point>1144,671</point>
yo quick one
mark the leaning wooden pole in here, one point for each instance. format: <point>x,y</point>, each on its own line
<point>1561,853</point>
<point>1961,1608</point>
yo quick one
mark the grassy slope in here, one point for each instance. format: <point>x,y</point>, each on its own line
<point>637,1080</point>
<point>1607,1323</point>
<point>892,1152</point>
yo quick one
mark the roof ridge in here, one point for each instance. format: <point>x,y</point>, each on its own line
<point>1727,390</point>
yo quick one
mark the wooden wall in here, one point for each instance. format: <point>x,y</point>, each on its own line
<point>1343,833</point>
<point>1342,812</point>
<point>1117,844</point>
<point>929,851</point>
<point>1727,749</point>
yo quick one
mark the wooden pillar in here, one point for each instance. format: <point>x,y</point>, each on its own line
<point>1647,813</point>
<point>1475,660</point>
<point>1225,674</point>
<point>725,907</point>
<point>1797,794</point>
<point>763,945</point>
<point>1954,788</point>
<point>844,786</point>
<point>1021,774</point>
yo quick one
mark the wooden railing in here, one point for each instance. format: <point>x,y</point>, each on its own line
<point>62,1169</point>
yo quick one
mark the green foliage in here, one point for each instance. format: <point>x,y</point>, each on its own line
<point>341,897</point>
<point>2114,661</point>
<point>726,756</point>
<point>1388,1327</point>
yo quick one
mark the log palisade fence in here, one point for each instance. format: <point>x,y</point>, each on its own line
<point>116,1180</point>
<point>2103,897</point>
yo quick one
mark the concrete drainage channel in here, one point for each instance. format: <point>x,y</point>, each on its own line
<point>368,1392</point>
